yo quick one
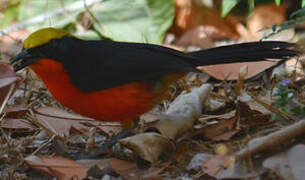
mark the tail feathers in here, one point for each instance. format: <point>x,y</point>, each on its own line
<point>245,52</point>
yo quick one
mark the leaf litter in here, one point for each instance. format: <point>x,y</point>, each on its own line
<point>249,142</point>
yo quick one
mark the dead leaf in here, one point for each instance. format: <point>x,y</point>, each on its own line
<point>265,15</point>
<point>182,113</point>
<point>220,131</point>
<point>101,163</point>
<point>15,112</point>
<point>61,168</point>
<point>215,165</point>
<point>17,124</point>
<point>198,36</point>
<point>15,120</point>
<point>226,167</point>
<point>226,128</point>
<point>109,128</point>
<point>129,170</point>
<point>250,117</point>
<point>289,164</point>
<point>97,167</point>
<point>231,71</point>
<point>149,146</point>
<point>150,117</point>
<point>190,15</point>
<point>59,121</point>
<point>10,46</point>
<point>7,78</point>
<point>197,160</point>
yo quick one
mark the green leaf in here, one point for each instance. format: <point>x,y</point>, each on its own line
<point>162,19</point>
<point>277,2</point>
<point>303,3</point>
<point>251,4</point>
<point>274,27</point>
<point>9,15</point>
<point>32,8</point>
<point>134,20</point>
<point>300,12</point>
<point>227,6</point>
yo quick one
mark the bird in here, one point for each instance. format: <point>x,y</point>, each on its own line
<point>119,81</point>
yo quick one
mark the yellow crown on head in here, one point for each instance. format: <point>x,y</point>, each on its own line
<point>43,36</point>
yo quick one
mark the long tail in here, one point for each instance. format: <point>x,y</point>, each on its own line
<point>245,52</point>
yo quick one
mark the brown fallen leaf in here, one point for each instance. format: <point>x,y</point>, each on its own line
<point>17,125</point>
<point>61,168</point>
<point>265,15</point>
<point>149,146</point>
<point>190,15</point>
<point>226,128</point>
<point>215,165</point>
<point>250,117</point>
<point>289,164</point>
<point>226,167</point>
<point>15,112</point>
<point>12,44</point>
<point>198,36</point>
<point>101,163</point>
<point>15,119</point>
<point>231,71</point>
<point>109,128</point>
<point>58,121</point>
<point>221,131</point>
<point>8,78</point>
<point>129,170</point>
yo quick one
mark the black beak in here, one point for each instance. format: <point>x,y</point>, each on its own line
<point>22,60</point>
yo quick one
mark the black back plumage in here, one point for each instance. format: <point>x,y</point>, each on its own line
<point>97,65</point>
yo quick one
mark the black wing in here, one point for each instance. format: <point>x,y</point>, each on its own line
<point>97,65</point>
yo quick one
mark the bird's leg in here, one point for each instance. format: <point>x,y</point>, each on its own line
<point>128,130</point>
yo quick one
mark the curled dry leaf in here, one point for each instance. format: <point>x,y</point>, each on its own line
<point>182,113</point>
<point>149,146</point>
<point>179,118</point>
<point>61,168</point>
